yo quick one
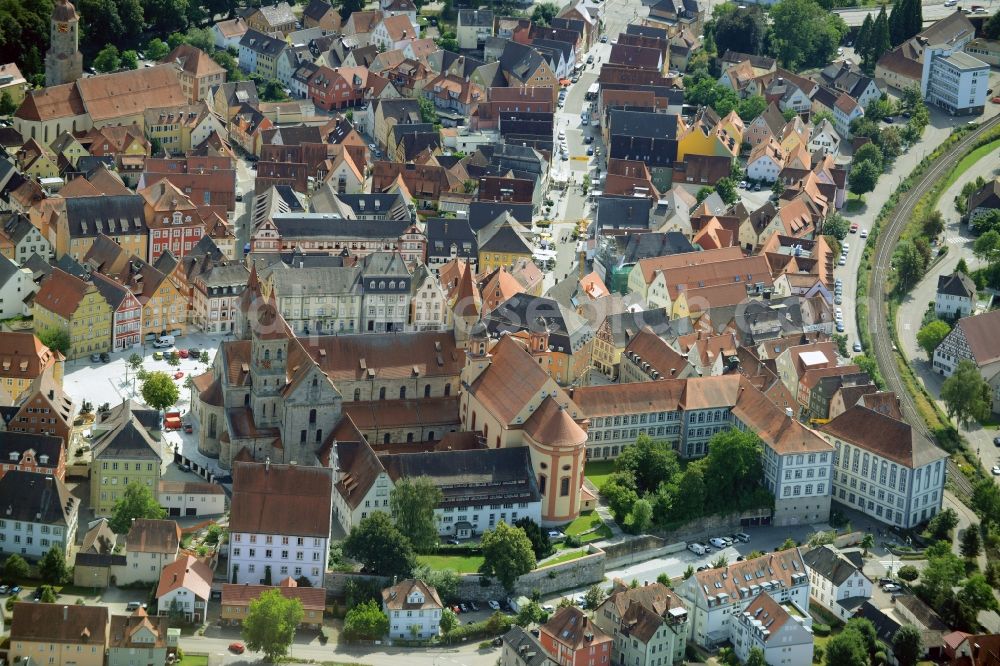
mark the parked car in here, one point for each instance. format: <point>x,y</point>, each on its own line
<point>840,327</point>
<point>179,374</point>
<point>743,536</point>
<point>473,606</point>
<point>157,356</point>
<point>15,590</point>
<point>996,470</point>
<point>4,589</point>
<point>857,346</point>
<point>549,608</point>
<point>604,39</point>
<point>838,299</point>
<point>718,542</point>
<point>183,353</point>
<point>455,609</point>
<point>95,358</point>
<point>194,352</point>
<point>996,441</point>
<point>556,534</point>
<point>891,587</point>
<point>590,151</point>
<point>237,648</point>
<point>453,542</point>
<point>493,604</point>
<point>696,548</point>
<point>864,233</point>
<point>854,227</point>
<point>134,605</point>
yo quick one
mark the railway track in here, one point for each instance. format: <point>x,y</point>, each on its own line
<point>888,237</point>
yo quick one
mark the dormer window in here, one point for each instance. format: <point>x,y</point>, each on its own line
<point>14,455</point>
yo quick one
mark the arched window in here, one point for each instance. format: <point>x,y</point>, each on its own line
<point>385,438</point>
<point>402,393</point>
<point>409,437</point>
<point>279,356</point>
<point>541,483</point>
<point>427,390</point>
<point>267,354</point>
<point>211,426</point>
<point>473,421</point>
<point>564,486</point>
<point>357,394</point>
<point>381,393</point>
<point>315,382</point>
<point>430,436</point>
<point>312,416</point>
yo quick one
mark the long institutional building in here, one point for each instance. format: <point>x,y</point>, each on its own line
<point>481,416</point>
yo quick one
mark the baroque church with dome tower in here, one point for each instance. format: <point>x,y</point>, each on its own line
<point>63,60</point>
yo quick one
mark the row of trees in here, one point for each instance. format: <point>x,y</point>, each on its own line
<point>801,33</point>
<point>648,486</point>
<point>858,645</point>
<point>879,36</point>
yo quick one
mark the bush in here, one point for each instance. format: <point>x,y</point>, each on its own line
<point>573,541</point>
<point>820,629</point>
<point>496,625</point>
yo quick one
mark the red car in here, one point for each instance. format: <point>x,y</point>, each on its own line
<point>995,100</point>
<point>237,648</point>
<point>854,228</point>
<point>178,374</point>
<point>188,428</point>
<point>183,353</point>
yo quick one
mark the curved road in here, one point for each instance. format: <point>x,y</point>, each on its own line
<point>878,328</point>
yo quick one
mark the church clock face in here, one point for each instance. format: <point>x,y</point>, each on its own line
<point>62,27</point>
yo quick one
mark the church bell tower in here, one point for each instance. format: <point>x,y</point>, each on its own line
<point>63,60</point>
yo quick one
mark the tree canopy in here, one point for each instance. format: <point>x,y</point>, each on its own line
<point>270,624</point>
<point>413,501</point>
<point>380,547</point>
<point>931,335</point>
<point>741,29</point>
<point>541,545</point>
<point>137,502</point>
<point>366,621</point>
<point>507,554</point>
<point>966,394</point>
<point>863,177</point>
<point>56,339</point>
<point>52,567</point>
<point>803,34</point>
<point>650,461</point>
<point>159,390</point>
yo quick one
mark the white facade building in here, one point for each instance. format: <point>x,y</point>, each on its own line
<point>884,468</point>
<point>39,513</point>
<point>185,586</point>
<point>783,632</point>
<point>279,523</point>
<point>180,498</point>
<point>838,584</point>
<point>954,80</point>
<point>414,610</point>
<point>16,286</point>
<point>715,597</point>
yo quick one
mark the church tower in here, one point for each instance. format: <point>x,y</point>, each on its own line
<point>63,60</point>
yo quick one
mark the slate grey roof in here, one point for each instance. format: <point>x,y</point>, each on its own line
<point>646,31</point>
<point>17,226</point>
<point>239,92</point>
<point>956,284</point>
<point>625,325</point>
<point>567,330</point>
<point>36,498</point>
<point>7,269</point>
<point>19,442</point>
<point>316,9</point>
<point>129,440</point>
<point>442,233</point>
<point>309,225</point>
<point>468,478</point>
<point>481,18</point>
<point>528,651</point>
<point>148,418</point>
<point>481,213</point>
<point>111,215</point>
<point>519,61</point>
<point>262,44</point>
<point>829,564</point>
<point>654,244</point>
<point>623,212</point>
<point>643,124</point>
<point>378,264</point>
<point>314,280</point>
<point>377,204</point>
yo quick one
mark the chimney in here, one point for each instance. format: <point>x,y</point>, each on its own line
<point>66,614</point>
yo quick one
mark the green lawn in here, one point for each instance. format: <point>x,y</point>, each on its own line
<point>568,556</point>
<point>968,161</point>
<point>457,563</point>
<point>588,521</point>
<point>193,660</point>
<point>598,471</point>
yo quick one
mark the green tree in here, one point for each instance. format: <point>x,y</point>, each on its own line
<point>743,30</point>
<point>108,59</point>
<point>226,60</point>
<point>908,645</point>
<point>966,394</point>
<point>846,649</point>
<point>594,597</point>
<point>867,543</point>
<point>751,107</point>
<point>803,34</point>
<point>909,264</point>
<point>987,247</point>
<point>977,595</point>
<point>507,554</point>
<point>689,500</point>
<point>991,29</point>
<point>348,7</point>
<point>56,339</point>
<point>137,502</point>
<point>166,16</point>
<point>380,547</point>
<point>366,621</point>
<point>786,544</point>
<point>909,573</point>
<point>428,113</point>
<point>541,545</point>
<point>986,222</point>
<point>544,13</point>
<point>530,613</point>
<point>130,59</point>
<point>156,49</point>
<point>270,623</point>
<point>835,225</point>
<point>756,657</point>
<point>52,567</point>
<point>931,335</point>
<point>448,620</point>
<point>862,44</point>
<point>933,223</point>
<point>734,466</point>
<point>703,193</point>
<point>727,190</point>
<point>943,572</point>
<point>649,461</point>
<point>866,630</point>
<point>939,527</point>
<point>159,390</point>
<point>15,568</point>
<point>863,177</point>
<point>986,502</point>
<point>7,104</point>
<point>971,542</point>
<point>640,517</point>
<point>881,42</point>
<point>412,502</point>
<point>871,153</point>
<point>619,493</point>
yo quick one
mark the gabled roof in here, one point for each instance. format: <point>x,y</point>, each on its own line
<point>884,436</point>
<point>186,572</point>
<point>397,596</point>
<point>830,564</point>
<point>129,440</point>
<point>60,623</point>
<point>34,497</point>
<point>281,499</point>
<point>980,332</point>
<point>956,284</point>
<point>61,293</point>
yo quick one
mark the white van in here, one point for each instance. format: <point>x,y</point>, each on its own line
<point>696,548</point>
<point>164,341</point>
